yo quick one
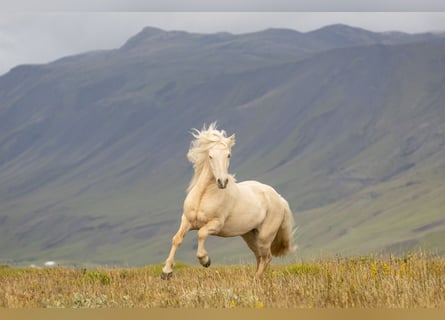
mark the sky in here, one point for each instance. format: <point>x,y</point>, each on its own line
<point>43,31</point>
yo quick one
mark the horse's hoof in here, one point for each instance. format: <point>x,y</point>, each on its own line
<point>207,264</point>
<point>166,276</point>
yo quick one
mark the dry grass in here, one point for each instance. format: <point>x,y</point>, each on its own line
<point>412,281</point>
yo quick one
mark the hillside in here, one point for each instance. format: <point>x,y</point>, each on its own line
<point>347,124</point>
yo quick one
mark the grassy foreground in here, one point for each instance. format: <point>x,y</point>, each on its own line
<point>410,281</point>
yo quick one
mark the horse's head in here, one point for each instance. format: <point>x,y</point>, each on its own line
<point>219,160</point>
<point>211,148</point>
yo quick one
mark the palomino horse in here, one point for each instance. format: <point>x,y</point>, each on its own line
<point>216,205</point>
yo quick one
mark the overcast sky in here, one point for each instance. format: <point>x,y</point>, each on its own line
<point>45,30</point>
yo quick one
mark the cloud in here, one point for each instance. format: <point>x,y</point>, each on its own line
<point>225,5</point>
<point>42,37</point>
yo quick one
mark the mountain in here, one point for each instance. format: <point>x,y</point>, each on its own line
<point>347,124</point>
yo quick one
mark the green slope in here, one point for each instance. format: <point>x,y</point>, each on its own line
<point>351,132</point>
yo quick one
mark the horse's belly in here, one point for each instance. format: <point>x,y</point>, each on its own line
<point>240,224</point>
<point>233,230</point>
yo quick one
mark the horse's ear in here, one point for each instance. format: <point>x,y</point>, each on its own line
<point>232,140</point>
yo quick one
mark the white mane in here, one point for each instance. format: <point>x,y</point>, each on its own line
<point>205,140</point>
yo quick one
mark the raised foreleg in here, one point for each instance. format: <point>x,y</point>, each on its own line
<point>212,227</point>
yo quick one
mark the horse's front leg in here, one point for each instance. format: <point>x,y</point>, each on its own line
<point>212,227</point>
<point>176,242</point>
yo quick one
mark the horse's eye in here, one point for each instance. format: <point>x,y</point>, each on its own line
<point>228,156</point>
<point>210,157</point>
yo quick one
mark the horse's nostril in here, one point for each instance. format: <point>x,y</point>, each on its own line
<point>222,184</point>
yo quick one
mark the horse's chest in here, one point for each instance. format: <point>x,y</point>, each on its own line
<point>205,214</point>
<point>200,212</point>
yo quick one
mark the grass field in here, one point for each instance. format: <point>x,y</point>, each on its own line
<point>365,282</point>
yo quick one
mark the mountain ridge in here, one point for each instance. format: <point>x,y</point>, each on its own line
<point>93,146</point>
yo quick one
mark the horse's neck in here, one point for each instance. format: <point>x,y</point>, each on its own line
<point>204,183</point>
<point>202,178</point>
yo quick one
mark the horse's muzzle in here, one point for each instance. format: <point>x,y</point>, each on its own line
<point>222,184</point>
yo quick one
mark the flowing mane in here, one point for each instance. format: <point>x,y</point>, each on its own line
<point>205,140</point>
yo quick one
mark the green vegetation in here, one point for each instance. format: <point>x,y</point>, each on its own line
<point>362,282</point>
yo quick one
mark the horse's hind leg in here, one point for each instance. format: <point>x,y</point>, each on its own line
<point>176,242</point>
<point>266,235</point>
<point>265,258</point>
<point>251,239</point>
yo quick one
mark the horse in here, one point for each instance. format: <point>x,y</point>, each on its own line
<point>216,204</point>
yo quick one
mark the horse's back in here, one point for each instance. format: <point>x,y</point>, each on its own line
<point>254,185</point>
<point>269,198</point>
<point>258,188</point>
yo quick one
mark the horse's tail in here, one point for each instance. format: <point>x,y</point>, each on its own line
<point>283,243</point>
